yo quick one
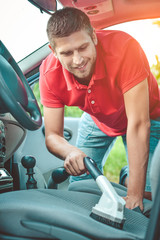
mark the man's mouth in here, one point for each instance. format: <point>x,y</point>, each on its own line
<point>82,67</point>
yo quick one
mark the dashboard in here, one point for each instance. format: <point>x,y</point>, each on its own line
<point>14,135</point>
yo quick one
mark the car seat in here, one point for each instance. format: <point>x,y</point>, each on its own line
<point>61,214</point>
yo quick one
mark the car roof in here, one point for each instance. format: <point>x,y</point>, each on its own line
<point>104,13</point>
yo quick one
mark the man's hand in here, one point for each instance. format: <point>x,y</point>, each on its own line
<point>133,202</point>
<point>74,163</point>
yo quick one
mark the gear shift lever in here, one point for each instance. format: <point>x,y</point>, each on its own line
<point>29,162</point>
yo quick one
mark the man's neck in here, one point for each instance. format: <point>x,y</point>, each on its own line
<point>83,81</point>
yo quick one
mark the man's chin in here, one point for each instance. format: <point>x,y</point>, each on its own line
<point>80,76</point>
<point>83,79</point>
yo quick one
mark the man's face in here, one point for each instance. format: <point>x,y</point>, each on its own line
<point>77,54</point>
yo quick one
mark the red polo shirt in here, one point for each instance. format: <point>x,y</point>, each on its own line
<point>120,65</point>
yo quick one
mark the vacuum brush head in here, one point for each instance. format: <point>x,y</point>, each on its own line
<point>110,208</point>
<point>107,219</point>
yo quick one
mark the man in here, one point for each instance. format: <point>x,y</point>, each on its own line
<point>107,75</point>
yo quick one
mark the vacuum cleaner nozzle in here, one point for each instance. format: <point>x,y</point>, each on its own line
<point>108,212</point>
<point>116,223</point>
<point>110,208</point>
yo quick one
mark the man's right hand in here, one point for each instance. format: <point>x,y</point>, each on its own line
<point>74,163</point>
<point>57,145</point>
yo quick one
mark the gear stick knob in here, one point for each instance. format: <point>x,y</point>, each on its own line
<point>29,163</point>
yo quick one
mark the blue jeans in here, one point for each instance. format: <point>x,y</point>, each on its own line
<point>97,145</point>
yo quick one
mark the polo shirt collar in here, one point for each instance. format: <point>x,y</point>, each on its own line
<point>68,78</point>
<point>98,74</point>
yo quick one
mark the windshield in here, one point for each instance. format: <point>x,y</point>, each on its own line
<point>23,30</point>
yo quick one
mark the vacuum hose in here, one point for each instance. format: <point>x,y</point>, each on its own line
<point>92,167</point>
<point>110,208</point>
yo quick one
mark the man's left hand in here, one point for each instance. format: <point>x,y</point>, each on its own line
<point>133,202</point>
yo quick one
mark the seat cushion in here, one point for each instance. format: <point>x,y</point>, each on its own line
<point>90,186</point>
<point>61,214</point>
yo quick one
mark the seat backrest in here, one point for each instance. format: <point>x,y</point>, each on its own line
<point>155,170</point>
<point>153,231</point>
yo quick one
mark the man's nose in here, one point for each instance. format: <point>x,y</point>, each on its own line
<point>77,58</point>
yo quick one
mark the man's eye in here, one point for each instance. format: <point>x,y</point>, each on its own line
<point>82,48</point>
<point>67,54</point>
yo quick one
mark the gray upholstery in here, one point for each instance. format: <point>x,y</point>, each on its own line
<point>60,214</point>
<point>56,214</point>
<point>90,186</point>
<point>155,170</point>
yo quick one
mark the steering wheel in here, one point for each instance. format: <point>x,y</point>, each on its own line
<point>16,95</point>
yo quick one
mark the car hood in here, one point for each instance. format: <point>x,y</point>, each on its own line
<point>104,13</point>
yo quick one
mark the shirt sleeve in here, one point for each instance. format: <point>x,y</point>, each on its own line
<point>48,98</point>
<point>134,66</point>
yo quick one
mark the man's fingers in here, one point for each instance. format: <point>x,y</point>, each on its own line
<point>133,202</point>
<point>74,166</point>
<point>71,169</point>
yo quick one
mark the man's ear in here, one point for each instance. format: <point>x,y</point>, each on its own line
<point>54,52</point>
<point>94,37</point>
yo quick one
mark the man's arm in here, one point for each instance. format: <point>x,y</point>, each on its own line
<point>57,145</point>
<point>138,133</point>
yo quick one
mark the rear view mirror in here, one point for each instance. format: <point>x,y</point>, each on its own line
<point>48,6</point>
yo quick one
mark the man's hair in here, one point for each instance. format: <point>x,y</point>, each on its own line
<point>66,21</point>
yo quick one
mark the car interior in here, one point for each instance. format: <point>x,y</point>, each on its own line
<point>35,201</point>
